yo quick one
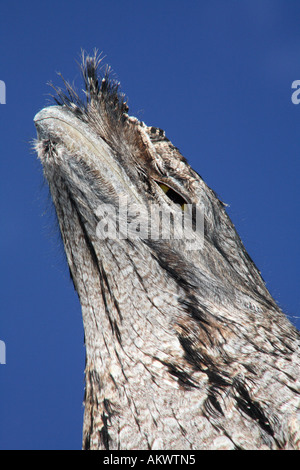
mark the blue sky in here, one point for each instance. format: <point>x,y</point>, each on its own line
<point>216,75</point>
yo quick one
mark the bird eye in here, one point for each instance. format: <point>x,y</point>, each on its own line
<point>173,195</point>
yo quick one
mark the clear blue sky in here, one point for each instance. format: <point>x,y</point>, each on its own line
<point>216,75</point>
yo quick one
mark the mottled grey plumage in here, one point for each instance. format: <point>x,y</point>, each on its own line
<point>185,349</point>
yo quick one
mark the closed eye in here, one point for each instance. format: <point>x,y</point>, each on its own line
<point>173,195</point>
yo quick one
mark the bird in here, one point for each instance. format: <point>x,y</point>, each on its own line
<point>186,349</point>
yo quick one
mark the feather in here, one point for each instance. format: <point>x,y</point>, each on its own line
<point>185,347</point>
